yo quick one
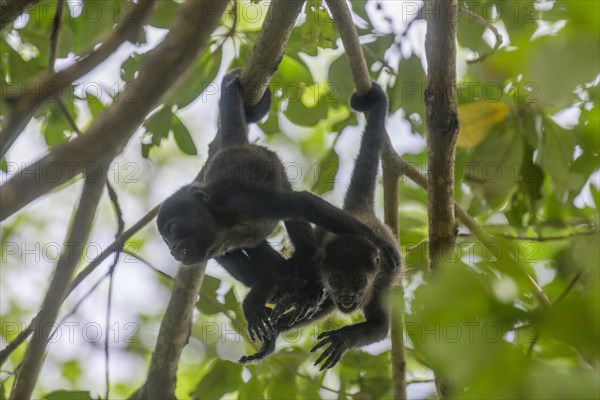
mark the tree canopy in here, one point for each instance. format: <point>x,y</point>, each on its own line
<point>108,106</point>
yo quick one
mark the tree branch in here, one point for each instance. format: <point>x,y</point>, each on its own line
<point>352,47</point>
<point>442,124</point>
<point>65,268</point>
<point>26,102</point>
<point>11,9</point>
<point>267,52</point>
<point>111,130</point>
<point>488,25</point>
<point>174,334</point>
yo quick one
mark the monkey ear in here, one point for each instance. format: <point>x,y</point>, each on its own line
<point>200,194</point>
<point>377,258</point>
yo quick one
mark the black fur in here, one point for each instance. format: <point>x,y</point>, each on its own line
<point>353,270</point>
<point>238,200</point>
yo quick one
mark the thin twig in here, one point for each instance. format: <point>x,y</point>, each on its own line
<point>488,25</point>
<point>55,34</point>
<point>120,227</point>
<point>382,60</point>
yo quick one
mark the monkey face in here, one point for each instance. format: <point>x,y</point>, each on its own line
<point>348,270</point>
<point>187,226</point>
<point>348,290</point>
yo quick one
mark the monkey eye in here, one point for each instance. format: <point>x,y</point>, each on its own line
<point>335,281</point>
<point>359,281</point>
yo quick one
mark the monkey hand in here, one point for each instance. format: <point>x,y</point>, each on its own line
<point>306,302</point>
<point>255,112</point>
<point>267,348</point>
<point>259,324</point>
<point>339,341</point>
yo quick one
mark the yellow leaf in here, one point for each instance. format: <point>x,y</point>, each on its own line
<point>477,119</point>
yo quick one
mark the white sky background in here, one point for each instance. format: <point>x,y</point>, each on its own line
<point>141,184</point>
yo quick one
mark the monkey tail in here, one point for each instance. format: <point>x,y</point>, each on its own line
<point>361,192</point>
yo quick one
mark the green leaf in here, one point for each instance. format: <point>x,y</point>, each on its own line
<point>557,155</point>
<point>182,137</point>
<point>159,124</point>
<point>327,170</point>
<point>292,72</point>
<point>209,289</point>
<point>68,395</point>
<point>72,371</point>
<point>253,389</point>
<point>470,33</point>
<point>197,79</point>
<point>3,165</point>
<point>493,165</point>
<point>164,14</point>
<point>407,92</point>
<point>95,104</point>
<point>224,377</point>
<point>96,20</point>
<point>130,67</point>
<point>157,127</point>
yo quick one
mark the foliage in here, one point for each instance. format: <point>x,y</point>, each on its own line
<point>527,169</point>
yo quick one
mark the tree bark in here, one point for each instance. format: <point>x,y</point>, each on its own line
<point>173,336</point>
<point>267,52</point>
<point>442,124</point>
<point>442,132</point>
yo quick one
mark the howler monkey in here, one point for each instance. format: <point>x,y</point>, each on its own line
<point>242,194</point>
<point>352,269</point>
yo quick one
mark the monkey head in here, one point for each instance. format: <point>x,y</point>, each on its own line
<point>187,225</point>
<point>349,266</point>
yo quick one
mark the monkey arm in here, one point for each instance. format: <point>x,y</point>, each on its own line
<point>285,324</point>
<point>374,329</point>
<point>240,267</point>
<point>262,204</point>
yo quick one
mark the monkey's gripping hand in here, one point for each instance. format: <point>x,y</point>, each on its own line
<point>339,341</point>
<point>305,302</point>
<point>253,113</point>
<point>374,99</point>
<point>259,323</point>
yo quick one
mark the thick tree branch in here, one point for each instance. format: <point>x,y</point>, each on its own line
<point>32,360</point>
<point>442,124</point>
<point>111,130</point>
<point>353,49</point>
<point>268,50</point>
<point>174,334</point>
<point>11,9</point>
<point>24,103</point>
